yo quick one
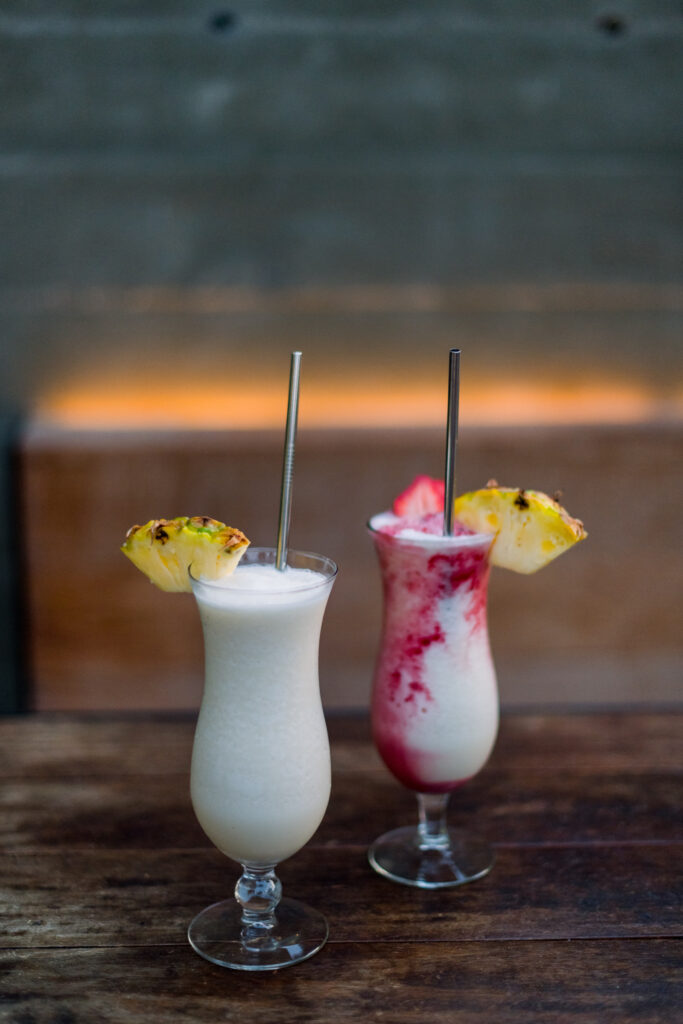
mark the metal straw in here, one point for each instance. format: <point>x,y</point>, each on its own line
<point>288,462</point>
<point>451,439</point>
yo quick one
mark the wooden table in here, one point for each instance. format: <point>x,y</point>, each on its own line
<point>103,866</point>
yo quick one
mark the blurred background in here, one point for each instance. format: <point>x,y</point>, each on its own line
<point>191,190</point>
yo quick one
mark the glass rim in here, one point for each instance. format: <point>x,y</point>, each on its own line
<point>432,539</point>
<point>327,567</point>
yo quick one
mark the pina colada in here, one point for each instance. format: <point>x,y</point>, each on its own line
<point>260,779</point>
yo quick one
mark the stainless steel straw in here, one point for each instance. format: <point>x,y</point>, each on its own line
<point>451,438</point>
<point>288,462</point>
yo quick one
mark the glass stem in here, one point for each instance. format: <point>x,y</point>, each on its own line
<point>432,829</point>
<point>258,892</point>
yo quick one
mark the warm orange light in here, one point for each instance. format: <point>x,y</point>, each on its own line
<point>373,404</point>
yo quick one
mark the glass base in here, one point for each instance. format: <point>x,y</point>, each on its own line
<point>216,934</point>
<point>398,855</point>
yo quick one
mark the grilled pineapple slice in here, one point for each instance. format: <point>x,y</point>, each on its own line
<point>166,549</point>
<point>531,527</point>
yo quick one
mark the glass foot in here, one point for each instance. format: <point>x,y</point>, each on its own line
<point>402,856</point>
<point>217,934</point>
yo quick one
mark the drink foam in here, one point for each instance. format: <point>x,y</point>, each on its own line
<point>426,529</point>
<point>267,577</point>
<point>262,583</point>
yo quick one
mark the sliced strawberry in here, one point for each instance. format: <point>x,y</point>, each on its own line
<point>425,495</point>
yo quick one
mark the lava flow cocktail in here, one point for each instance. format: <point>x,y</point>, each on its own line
<point>260,779</point>
<point>435,704</point>
<point>435,700</point>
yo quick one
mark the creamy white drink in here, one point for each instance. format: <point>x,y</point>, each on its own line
<point>260,779</point>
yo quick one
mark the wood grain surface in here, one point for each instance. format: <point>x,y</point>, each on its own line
<point>625,982</point>
<point>596,626</point>
<point>102,865</point>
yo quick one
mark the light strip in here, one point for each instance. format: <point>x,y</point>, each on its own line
<point>229,405</point>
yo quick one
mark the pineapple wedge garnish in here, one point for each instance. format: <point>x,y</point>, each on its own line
<point>166,549</point>
<point>531,528</point>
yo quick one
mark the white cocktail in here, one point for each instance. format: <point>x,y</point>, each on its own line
<point>260,779</point>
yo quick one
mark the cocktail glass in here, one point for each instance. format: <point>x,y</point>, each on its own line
<point>260,779</point>
<point>435,699</point>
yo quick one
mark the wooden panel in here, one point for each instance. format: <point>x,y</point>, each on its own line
<point>600,625</point>
<point>11,610</point>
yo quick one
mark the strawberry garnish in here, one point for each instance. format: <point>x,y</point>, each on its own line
<point>425,495</point>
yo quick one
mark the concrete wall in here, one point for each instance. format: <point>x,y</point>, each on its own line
<point>181,146</point>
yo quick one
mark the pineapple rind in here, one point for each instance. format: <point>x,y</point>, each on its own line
<point>531,527</point>
<point>166,549</point>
